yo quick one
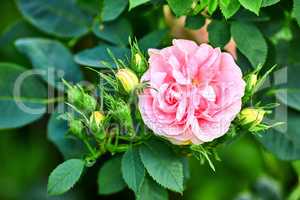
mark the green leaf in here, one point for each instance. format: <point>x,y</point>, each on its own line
<point>116,32</point>
<point>218,33</point>
<point>212,6</point>
<point>162,164</point>
<point>180,7</point>
<point>266,3</point>
<point>296,10</point>
<point>95,56</point>
<point>152,39</point>
<point>57,133</point>
<point>29,105</point>
<point>52,58</point>
<point>250,42</point>
<point>135,3</point>
<point>110,177</point>
<point>133,170</point>
<point>150,190</point>
<point>194,22</point>
<point>229,8</point>
<point>112,9</point>
<point>64,176</point>
<point>252,5</point>
<point>56,17</point>
<point>285,144</point>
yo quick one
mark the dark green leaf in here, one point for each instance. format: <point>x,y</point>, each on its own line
<point>218,33</point>
<point>150,190</point>
<point>95,56</point>
<point>53,59</point>
<point>112,9</point>
<point>60,18</point>
<point>194,22</point>
<point>116,32</point>
<point>110,177</point>
<point>162,164</point>
<point>252,5</point>
<point>133,169</point>
<point>135,3</point>
<point>250,42</point>
<point>296,10</point>
<point>180,7</point>
<point>57,133</point>
<point>266,3</point>
<point>152,39</point>
<point>64,176</point>
<point>229,8</point>
<point>23,96</point>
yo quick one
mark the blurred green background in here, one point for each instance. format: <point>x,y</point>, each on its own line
<point>246,172</point>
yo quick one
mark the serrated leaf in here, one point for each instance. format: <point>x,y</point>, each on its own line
<point>212,6</point>
<point>95,57</point>
<point>194,22</point>
<point>133,170</point>
<point>250,42</point>
<point>135,3</point>
<point>52,59</point>
<point>266,3</point>
<point>150,190</point>
<point>110,177</point>
<point>180,7</point>
<point>56,17</point>
<point>25,106</point>
<point>64,176</point>
<point>296,10</point>
<point>162,164</point>
<point>112,9</point>
<point>229,7</point>
<point>218,33</point>
<point>252,5</point>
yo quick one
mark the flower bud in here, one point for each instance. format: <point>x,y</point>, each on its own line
<point>76,127</point>
<point>74,95</point>
<point>251,82</point>
<point>96,118</point>
<point>128,79</point>
<point>89,103</point>
<point>252,115</point>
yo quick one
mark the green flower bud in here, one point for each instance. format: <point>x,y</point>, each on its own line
<point>252,116</point>
<point>74,95</point>
<point>96,119</point>
<point>76,127</point>
<point>251,82</point>
<point>140,65</point>
<point>89,103</point>
<point>128,79</point>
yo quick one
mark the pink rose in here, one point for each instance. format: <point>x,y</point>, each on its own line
<point>195,92</point>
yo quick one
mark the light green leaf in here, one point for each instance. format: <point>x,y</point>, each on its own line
<point>250,42</point>
<point>212,6</point>
<point>218,33</point>
<point>266,3</point>
<point>296,10</point>
<point>29,105</point>
<point>194,22</point>
<point>135,3</point>
<point>133,170</point>
<point>112,9</point>
<point>150,190</point>
<point>152,39</point>
<point>64,176</point>
<point>229,7</point>
<point>116,32</point>
<point>52,58</point>
<point>252,5</point>
<point>110,177</point>
<point>95,57</point>
<point>56,17</point>
<point>180,7</point>
<point>57,133</point>
<point>162,164</point>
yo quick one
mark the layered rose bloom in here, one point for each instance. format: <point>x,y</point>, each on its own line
<point>195,92</point>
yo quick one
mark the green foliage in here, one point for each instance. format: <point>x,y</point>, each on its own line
<point>180,7</point>
<point>252,5</point>
<point>64,176</point>
<point>133,169</point>
<point>162,165</point>
<point>218,33</point>
<point>135,3</point>
<point>250,42</point>
<point>59,18</point>
<point>296,11</point>
<point>45,55</point>
<point>31,95</point>
<point>112,9</point>
<point>229,7</point>
<point>194,22</point>
<point>266,3</point>
<point>110,177</point>
<point>212,6</point>
<point>152,39</point>
<point>150,190</point>
<point>99,57</point>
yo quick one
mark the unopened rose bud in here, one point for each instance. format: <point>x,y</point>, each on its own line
<point>89,103</point>
<point>76,127</point>
<point>128,79</point>
<point>74,95</point>
<point>96,118</point>
<point>251,82</point>
<point>252,115</point>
